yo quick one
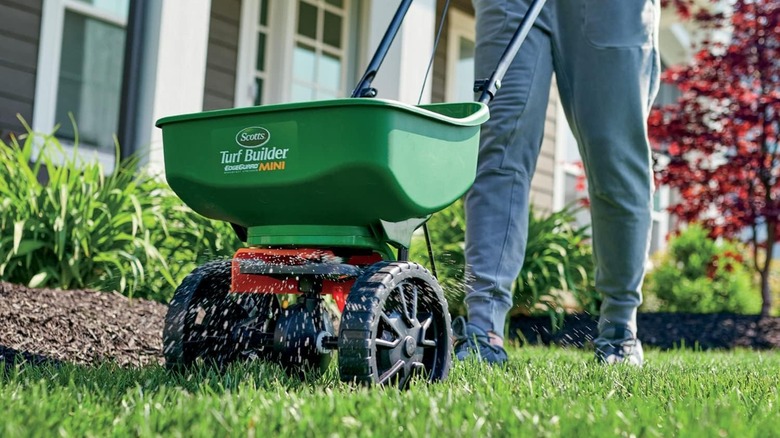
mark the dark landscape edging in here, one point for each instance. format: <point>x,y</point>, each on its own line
<point>661,330</point>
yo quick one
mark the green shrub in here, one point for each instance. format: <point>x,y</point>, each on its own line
<point>558,261</point>
<point>447,233</point>
<point>84,229</point>
<point>701,275</point>
<point>184,238</point>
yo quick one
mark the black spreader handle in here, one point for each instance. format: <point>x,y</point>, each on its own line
<point>490,86</point>
<point>363,88</point>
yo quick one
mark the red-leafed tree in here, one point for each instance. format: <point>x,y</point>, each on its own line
<point>721,137</point>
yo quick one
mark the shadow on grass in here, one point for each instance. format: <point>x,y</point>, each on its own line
<point>11,357</point>
<point>109,378</point>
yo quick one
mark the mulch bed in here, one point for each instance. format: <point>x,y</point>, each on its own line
<point>78,326</point>
<point>661,330</point>
<point>86,327</point>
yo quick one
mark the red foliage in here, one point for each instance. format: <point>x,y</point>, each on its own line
<point>688,10</point>
<point>721,137</point>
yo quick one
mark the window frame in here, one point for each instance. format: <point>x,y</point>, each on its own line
<point>461,25</point>
<point>48,71</point>
<point>660,217</point>
<point>281,40</point>
<point>566,167</point>
<point>320,47</point>
<point>247,49</point>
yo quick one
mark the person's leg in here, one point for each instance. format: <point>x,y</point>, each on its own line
<point>607,64</point>
<point>497,204</point>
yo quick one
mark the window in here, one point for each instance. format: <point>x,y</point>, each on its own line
<point>571,184</point>
<point>302,46</point>
<point>319,56</point>
<point>80,70</point>
<point>667,93</point>
<point>660,219</point>
<point>460,57</point>
<point>260,68</point>
<point>574,188</point>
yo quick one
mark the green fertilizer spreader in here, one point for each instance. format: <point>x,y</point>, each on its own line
<point>326,196</point>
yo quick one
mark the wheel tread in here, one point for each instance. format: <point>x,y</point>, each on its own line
<point>364,304</point>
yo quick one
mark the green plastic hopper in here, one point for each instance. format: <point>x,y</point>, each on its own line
<point>344,172</point>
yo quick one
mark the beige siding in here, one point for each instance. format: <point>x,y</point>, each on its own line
<point>439,73</point>
<point>222,54</point>
<point>543,183</point>
<point>19,40</point>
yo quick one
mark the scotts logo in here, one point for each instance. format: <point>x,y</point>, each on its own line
<point>253,137</point>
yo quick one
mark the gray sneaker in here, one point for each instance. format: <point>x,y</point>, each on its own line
<point>619,346</point>
<point>627,352</point>
<point>472,341</point>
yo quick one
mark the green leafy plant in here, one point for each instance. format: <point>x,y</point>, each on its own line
<point>447,234</point>
<point>185,239</point>
<point>80,228</point>
<point>558,262</point>
<point>65,223</point>
<point>701,275</point>
<point>558,265</point>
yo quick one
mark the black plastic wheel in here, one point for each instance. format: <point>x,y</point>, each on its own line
<point>297,335</point>
<point>395,325</point>
<point>203,318</point>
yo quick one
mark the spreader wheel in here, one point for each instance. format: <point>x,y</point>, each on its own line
<point>204,319</point>
<point>395,325</point>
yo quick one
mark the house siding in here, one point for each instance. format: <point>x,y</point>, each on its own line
<point>439,73</point>
<point>542,185</point>
<point>19,41</point>
<point>222,54</point>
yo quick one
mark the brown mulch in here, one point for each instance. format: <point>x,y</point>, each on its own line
<point>78,326</point>
<point>661,330</point>
<point>87,327</point>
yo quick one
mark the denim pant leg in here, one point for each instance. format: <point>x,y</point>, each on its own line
<point>497,204</point>
<point>607,64</point>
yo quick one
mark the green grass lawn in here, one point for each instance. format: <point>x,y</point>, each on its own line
<point>542,392</point>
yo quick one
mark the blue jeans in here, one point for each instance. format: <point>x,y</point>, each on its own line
<point>605,59</point>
